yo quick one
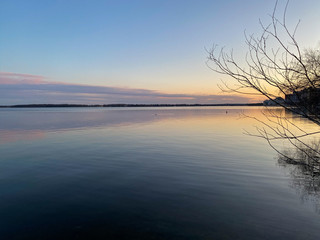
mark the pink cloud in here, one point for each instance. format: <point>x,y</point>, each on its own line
<point>26,89</point>
<point>18,78</point>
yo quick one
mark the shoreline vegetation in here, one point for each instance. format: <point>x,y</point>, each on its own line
<point>126,105</point>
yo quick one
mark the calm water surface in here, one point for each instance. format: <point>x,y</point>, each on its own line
<point>144,173</point>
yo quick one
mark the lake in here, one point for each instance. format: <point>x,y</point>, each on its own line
<point>146,173</point>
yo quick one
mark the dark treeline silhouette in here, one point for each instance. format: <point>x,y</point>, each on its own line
<point>125,105</point>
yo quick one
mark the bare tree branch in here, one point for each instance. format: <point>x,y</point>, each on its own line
<point>286,76</point>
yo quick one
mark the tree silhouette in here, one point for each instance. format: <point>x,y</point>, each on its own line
<point>285,71</point>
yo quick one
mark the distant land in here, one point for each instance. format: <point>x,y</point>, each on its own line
<point>126,105</point>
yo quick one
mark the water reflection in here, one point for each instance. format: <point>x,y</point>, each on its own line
<point>298,157</point>
<point>10,136</point>
<point>183,173</point>
<point>31,124</point>
<point>305,184</point>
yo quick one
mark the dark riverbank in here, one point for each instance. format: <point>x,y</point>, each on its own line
<point>126,105</point>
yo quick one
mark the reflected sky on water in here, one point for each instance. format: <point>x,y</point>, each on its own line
<point>144,173</point>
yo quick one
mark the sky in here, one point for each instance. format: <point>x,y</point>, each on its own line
<point>133,51</point>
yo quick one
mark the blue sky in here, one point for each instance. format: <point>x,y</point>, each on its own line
<point>154,46</point>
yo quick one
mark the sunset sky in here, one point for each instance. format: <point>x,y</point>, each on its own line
<point>132,51</point>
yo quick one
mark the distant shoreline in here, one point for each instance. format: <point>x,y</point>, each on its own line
<point>126,105</point>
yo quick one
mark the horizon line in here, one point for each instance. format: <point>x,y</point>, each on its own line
<point>127,105</point>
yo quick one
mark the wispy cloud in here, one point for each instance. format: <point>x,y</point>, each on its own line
<point>18,78</point>
<point>25,88</point>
